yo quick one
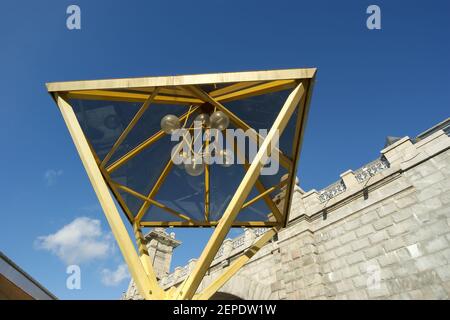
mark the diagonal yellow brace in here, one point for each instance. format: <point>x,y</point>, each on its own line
<point>153,202</point>
<point>261,189</point>
<point>202,265</point>
<point>130,126</point>
<point>138,149</point>
<point>236,265</point>
<point>162,177</point>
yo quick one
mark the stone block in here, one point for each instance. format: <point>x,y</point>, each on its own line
<point>402,227</point>
<point>351,225</point>
<point>430,262</point>
<point>349,272</point>
<point>381,292</point>
<point>364,231</point>
<point>444,272</point>
<point>394,244</point>
<point>344,286</point>
<point>337,264</point>
<point>343,250</point>
<point>369,217</point>
<point>403,214</point>
<point>328,255</point>
<point>349,236</point>
<point>435,292</point>
<point>387,208</point>
<point>373,252</point>
<point>307,260</point>
<point>383,223</point>
<point>405,201</point>
<point>332,244</point>
<point>414,250</point>
<point>360,244</point>
<point>387,259</point>
<point>434,178</point>
<point>436,244</point>
<point>355,258</point>
<point>360,281</point>
<point>428,191</point>
<point>357,294</point>
<point>416,294</point>
<point>316,291</point>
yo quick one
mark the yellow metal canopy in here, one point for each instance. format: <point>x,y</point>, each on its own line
<point>115,125</point>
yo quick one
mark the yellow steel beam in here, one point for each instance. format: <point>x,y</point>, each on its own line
<point>153,202</point>
<point>233,208</point>
<point>182,80</point>
<point>138,149</point>
<point>232,88</point>
<point>296,145</point>
<point>207,188</point>
<point>168,91</point>
<point>261,189</point>
<point>110,95</point>
<point>107,178</point>
<point>154,190</point>
<point>147,262</point>
<point>264,88</point>
<point>283,159</point>
<point>162,177</point>
<point>130,126</point>
<point>184,224</point>
<point>106,201</point>
<point>209,291</point>
<point>263,194</point>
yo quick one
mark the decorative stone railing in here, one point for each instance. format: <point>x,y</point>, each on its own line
<point>371,169</point>
<point>361,175</point>
<point>229,248</point>
<point>332,191</point>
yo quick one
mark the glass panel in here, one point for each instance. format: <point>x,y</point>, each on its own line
<point>157,214</point>
<point>147,126</point>
<point>260,112</point>
<point>258,211</point>
<point>183,193</point>
<point>103,121</point>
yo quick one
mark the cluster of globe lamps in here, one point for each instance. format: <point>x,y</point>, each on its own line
<point>196,166</point>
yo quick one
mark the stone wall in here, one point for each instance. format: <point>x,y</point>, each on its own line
<point>382,231</point>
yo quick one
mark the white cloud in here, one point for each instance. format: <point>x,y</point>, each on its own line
<point>112,278</point>
<point>51,176</point>
<point>80,241</point>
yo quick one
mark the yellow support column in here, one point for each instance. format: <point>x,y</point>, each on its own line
<point>156,290</point>
<point>106,201</point>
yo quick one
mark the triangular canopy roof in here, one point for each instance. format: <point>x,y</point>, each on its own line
<point>120,118</point>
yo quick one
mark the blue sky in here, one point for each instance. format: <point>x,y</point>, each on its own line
<point>370,84</point>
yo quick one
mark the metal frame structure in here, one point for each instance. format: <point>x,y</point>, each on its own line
<point>187,91</point>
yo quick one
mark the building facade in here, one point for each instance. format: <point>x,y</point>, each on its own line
<point>380,232</point>
<point>16,284</point>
